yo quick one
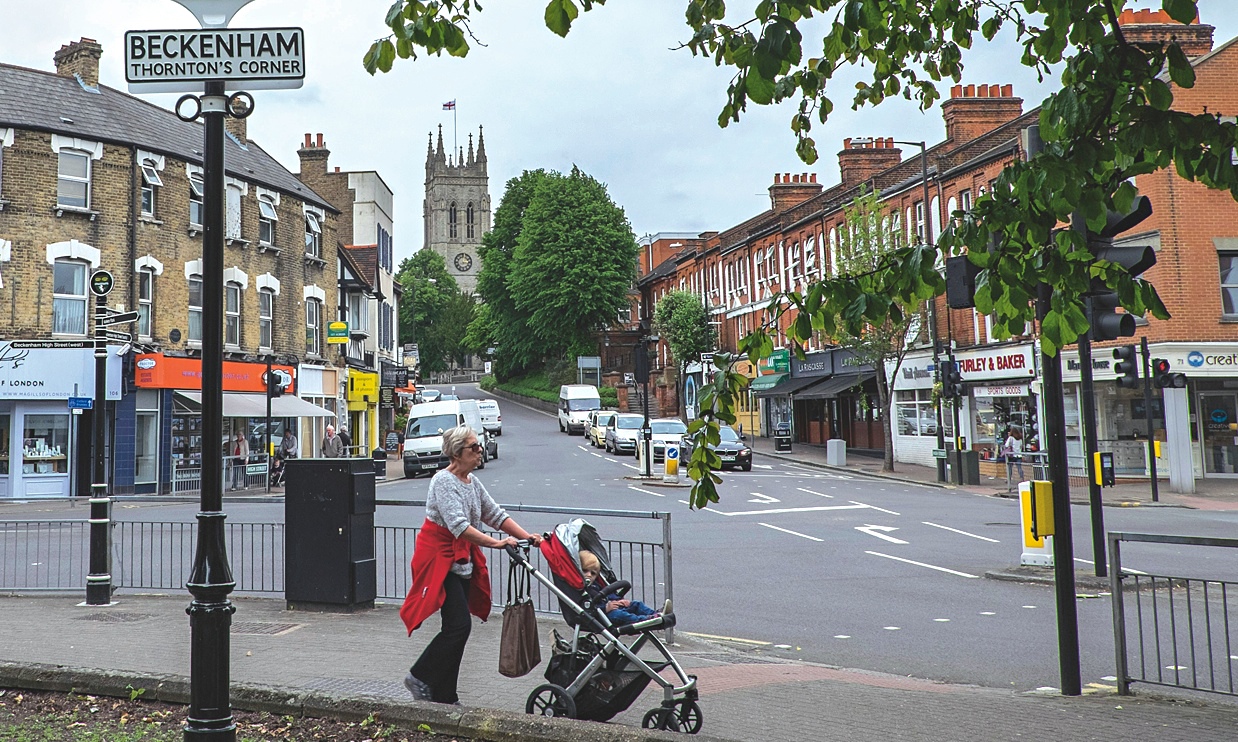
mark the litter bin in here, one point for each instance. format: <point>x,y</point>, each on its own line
<point>782,438</point>
<point>380,463</point>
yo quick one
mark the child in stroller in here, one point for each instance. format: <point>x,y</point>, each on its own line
<point>277,471</point>
<point>596,675</point>
<point>620,611</point>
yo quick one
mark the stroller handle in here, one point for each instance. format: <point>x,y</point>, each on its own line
<point>519,552</point>
<point>618,587</point>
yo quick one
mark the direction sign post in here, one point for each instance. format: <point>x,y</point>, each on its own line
<point>116,318</point>
<point>207,63</point>
<point>99,579</point>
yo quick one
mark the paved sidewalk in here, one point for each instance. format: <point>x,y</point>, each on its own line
<point>1210,494</point>
<point>745,695</point>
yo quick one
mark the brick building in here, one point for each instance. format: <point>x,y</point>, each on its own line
<point>737,270</point>
<point>92,178</point>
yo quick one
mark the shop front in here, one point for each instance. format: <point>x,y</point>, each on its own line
<point>244,412</point>
<point>320,386</point>
<point>43,443</point>
<point>838,401</point>
<point>362,398</point>
<point>747,419</point>
<point>999,402</point>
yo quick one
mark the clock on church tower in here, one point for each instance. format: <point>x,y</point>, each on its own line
<point>463,262</point>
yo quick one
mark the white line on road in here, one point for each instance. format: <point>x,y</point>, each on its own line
<point>818,494</point>
<point>872,530</point>
<point>922,564</point>
<point>763,466</point>
<point>777,511</point>
<point>647,492</point>
<point>1124,569</point>
<point>793,533</point>
<point>761,499</point>
<point>874,507</point>
<point>583,448</point>
<point>595,453</point>
<point>965,533</point>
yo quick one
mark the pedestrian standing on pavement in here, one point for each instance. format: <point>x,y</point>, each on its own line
<point>449,568</point>
<point>346,440</point>
<point>288,445</point>
<point>240,457</point>
<point>1012,450</point>
<point>332,446</point>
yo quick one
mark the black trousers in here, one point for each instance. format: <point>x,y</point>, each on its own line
<point>439,664</point>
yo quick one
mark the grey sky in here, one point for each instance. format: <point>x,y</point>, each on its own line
<point>612,98</point>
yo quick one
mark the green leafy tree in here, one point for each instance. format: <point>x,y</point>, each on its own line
<point>870,234</point>
<point>424,313</point>
<point>681,319</point>
<point>556,269</point>
<point>1113,119</point>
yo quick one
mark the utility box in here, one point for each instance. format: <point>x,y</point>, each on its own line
<point>380,464</point>
<point>964,467</point>
<point>836,452</point>
<point>329,535</point>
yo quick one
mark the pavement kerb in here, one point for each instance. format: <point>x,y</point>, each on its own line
<point>856,472</point>
<point>478,724</point>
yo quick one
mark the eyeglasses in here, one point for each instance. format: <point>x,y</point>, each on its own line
<point>475,447</point>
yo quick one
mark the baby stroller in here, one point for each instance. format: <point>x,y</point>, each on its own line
<point>277,472</point>
<point>595,675</point>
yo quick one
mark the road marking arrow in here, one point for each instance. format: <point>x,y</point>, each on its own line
<point>757,497</point>
<point>871,530</point>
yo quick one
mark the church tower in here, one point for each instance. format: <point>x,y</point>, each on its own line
<point>457,206</point>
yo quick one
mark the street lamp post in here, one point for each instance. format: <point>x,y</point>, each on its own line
<point>928,240</point>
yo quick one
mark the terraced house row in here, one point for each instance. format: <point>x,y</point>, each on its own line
<point>828,395</point>
<point>92,178</point>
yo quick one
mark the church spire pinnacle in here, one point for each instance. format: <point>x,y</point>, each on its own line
<point>470,160</point>
<point>440,155</point>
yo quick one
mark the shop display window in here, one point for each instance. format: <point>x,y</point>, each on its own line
<point>997,417</point>
<point>914,413</point>
<point>5,421</point>
<point>45,444</point>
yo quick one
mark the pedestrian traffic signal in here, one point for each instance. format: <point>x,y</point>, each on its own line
<point>1164,378</point>
<point>1106,322</point>
<point>1126,367</point>
<point>951,379</point>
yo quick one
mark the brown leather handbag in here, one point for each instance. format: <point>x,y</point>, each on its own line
<point>519,650</point>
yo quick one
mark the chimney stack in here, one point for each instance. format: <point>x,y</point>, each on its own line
<point>791,190</point>
<point>861,159</point>
<point>974,110</point>
<point>80,58</point>
<point>1156,27</point>
<point>313,158</point>
<point>236,127</point>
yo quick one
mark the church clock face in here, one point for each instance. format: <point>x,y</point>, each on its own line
<point>464,262</point>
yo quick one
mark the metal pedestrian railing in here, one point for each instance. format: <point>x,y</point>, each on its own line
<point>47,555</point>
<point>1178,632</point>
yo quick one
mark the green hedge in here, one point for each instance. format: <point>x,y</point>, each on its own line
<point>540,386</point>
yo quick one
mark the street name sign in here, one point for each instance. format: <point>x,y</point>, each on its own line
<point>123,337</point>
<point>116,319</point>
<point>182,61</point>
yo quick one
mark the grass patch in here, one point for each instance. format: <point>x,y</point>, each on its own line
<point>540,386</point>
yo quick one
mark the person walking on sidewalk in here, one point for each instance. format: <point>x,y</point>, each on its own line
<point>332,446</point>
<point>345,441</point>
<point>449,568</point>
<point>1012,450</point>
<point>240,457</point>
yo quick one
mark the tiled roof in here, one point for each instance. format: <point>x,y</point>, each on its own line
<point>365,279</point>
<point>366,257</point>
<point>45,101</point>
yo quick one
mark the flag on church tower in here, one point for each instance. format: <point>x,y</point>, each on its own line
<point>449,105</point>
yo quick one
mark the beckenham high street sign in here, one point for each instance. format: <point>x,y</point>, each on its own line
<point>180,61</point>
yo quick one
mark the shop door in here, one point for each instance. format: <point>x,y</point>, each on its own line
<point>1217,412</point>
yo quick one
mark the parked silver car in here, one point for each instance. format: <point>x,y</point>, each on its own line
<point>622,432</point>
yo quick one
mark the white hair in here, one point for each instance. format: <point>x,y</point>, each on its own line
<point>454,441</point>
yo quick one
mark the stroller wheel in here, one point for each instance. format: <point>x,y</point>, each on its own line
<point>688,715</point>
<point>661,718</point>
<point>550,700</point>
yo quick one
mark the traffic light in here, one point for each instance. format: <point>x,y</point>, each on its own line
<point>1106,322</point>
<point>275,384</point>
<point>951,379</point>
<point>1164,378</point>
<point>1126,367</point>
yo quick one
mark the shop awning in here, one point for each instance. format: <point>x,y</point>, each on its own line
<point>790,385</point>
<point>237,404</point>
<point>833,385</point>
<point>761,383</point>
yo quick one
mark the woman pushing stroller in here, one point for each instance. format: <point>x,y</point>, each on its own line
<point>449,567</point>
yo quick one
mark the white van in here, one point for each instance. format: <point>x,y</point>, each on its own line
<point>576,401</point>
<point>423,437</point>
